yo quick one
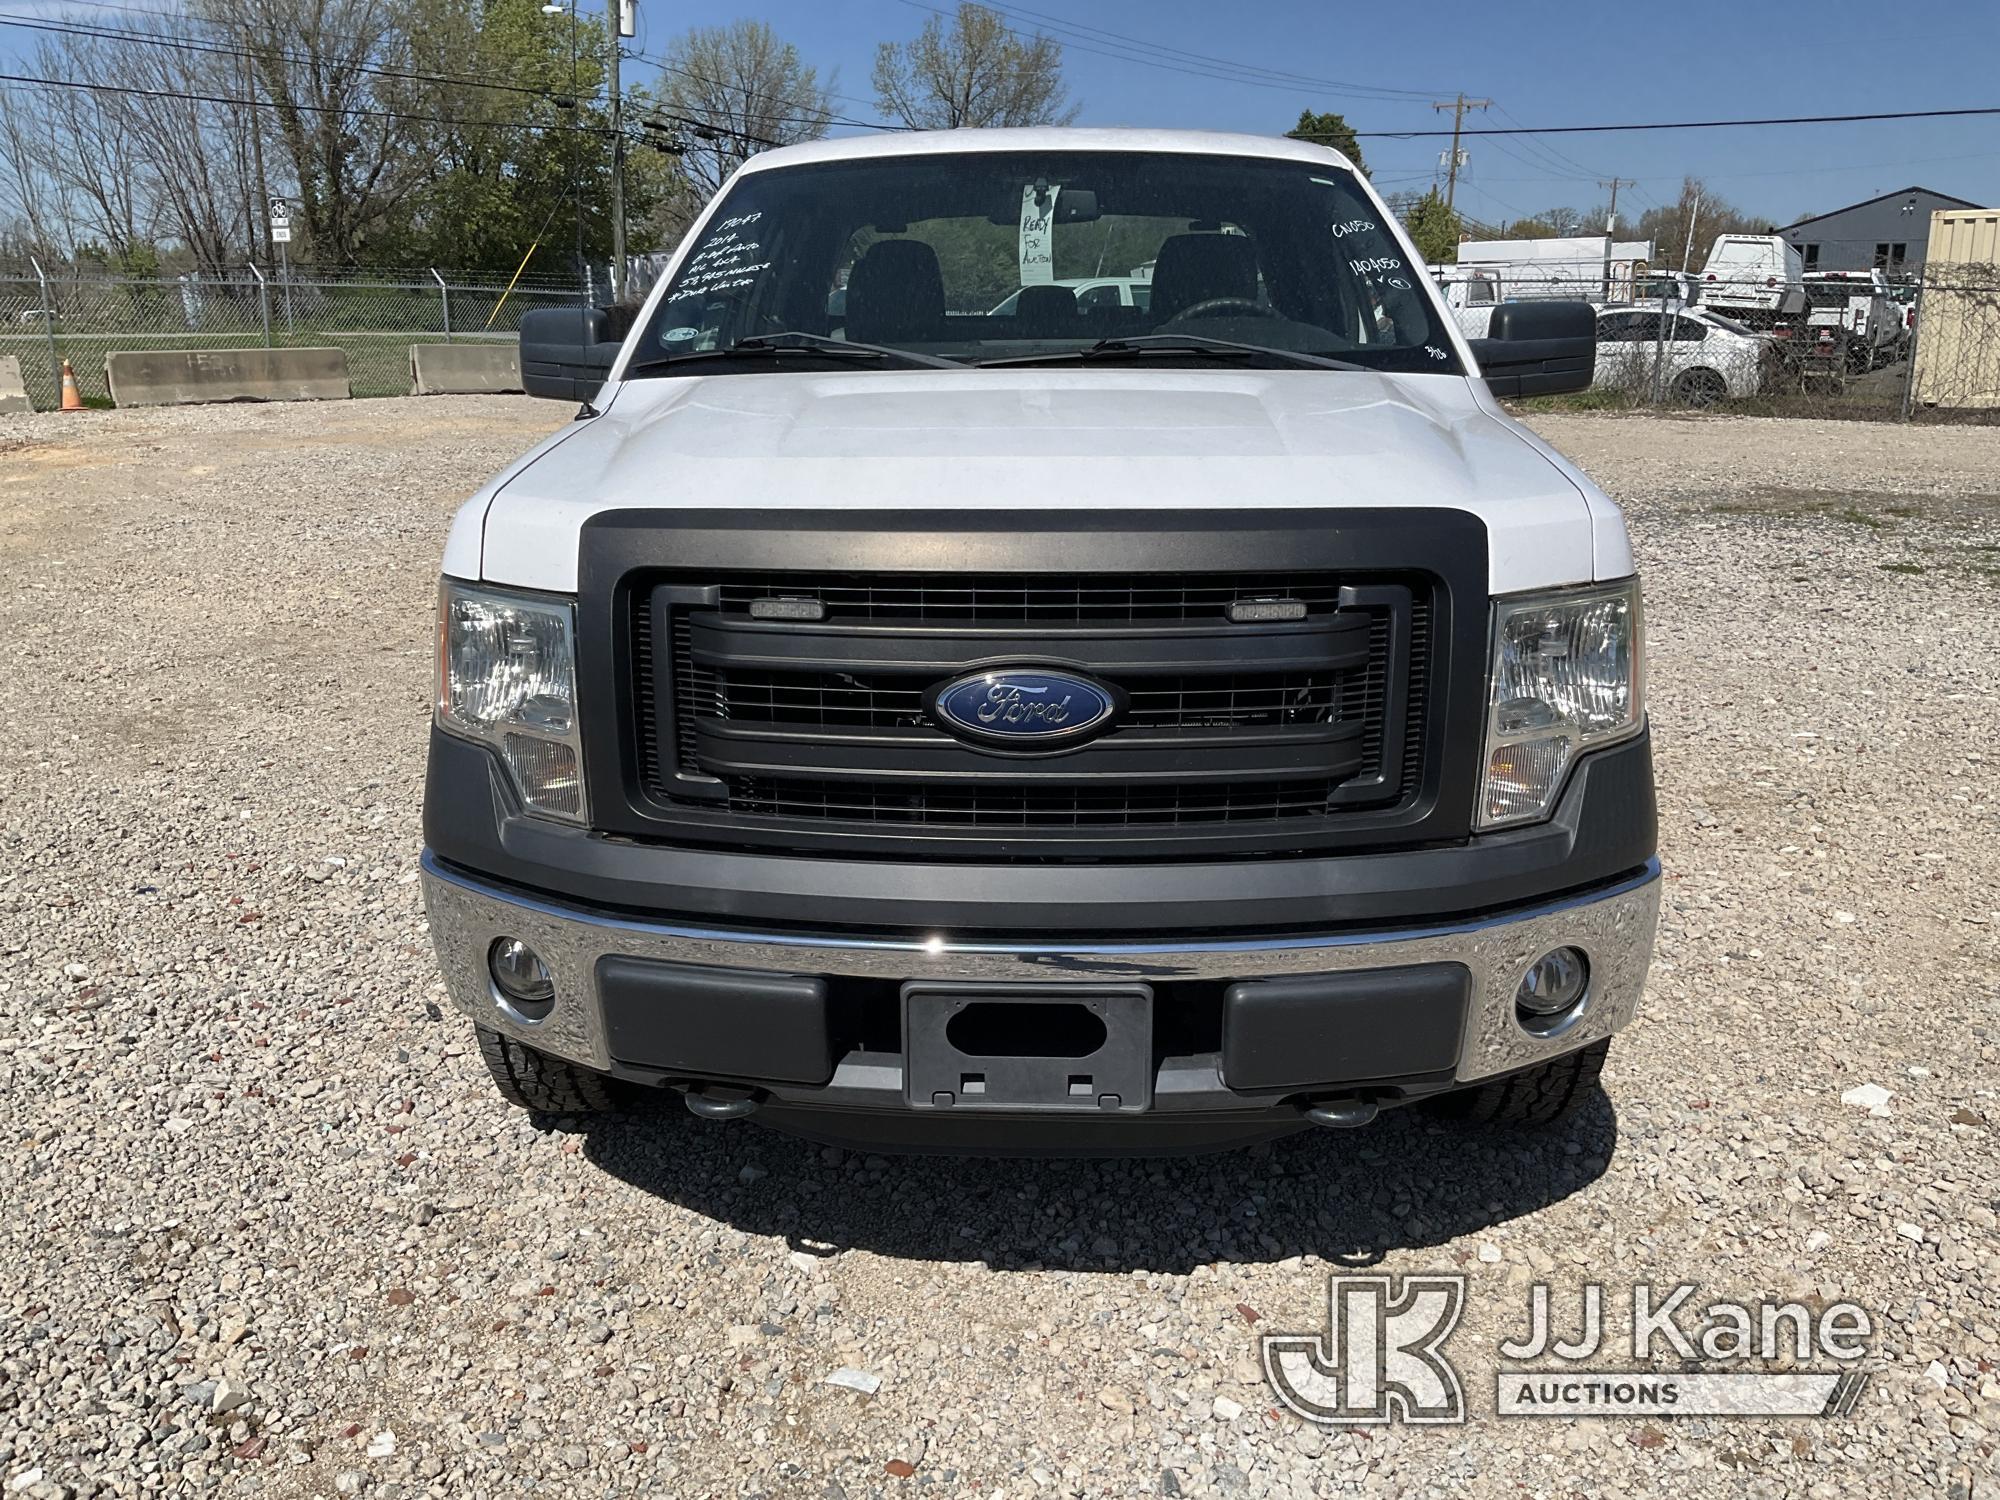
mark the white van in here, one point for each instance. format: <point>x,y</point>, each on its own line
<point>1757,279</point>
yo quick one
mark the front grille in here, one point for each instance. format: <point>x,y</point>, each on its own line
<point>1031,807</point>
<point>872,700</point>
<point>1043,600</point>
<point>1224,723</point>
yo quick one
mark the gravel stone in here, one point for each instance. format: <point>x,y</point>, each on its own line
<point>249,1151</point>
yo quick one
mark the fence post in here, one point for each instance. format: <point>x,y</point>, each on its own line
<point>1916,332</point>
<point>263,302</point>
<point>49,328</point>
<point>445,293</point>
<point>1659,380</point>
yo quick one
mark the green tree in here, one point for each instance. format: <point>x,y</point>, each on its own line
<point>975,73</point>
<point>1436,229</point>
<point>504,169</point>
<point>1329,130</point>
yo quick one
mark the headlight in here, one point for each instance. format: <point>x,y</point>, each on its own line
<point>507,676</point>
<point>1567,673</point>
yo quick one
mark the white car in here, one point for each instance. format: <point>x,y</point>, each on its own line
<point>1089,292</point>
<point>1700,357</point>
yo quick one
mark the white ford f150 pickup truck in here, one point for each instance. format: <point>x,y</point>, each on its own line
<point>1098,728</point>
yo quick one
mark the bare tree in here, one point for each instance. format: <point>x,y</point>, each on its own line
<point>95,161</point>
<point>1688,226</point>
<point>182,146</point>
<point>739,89</point>
<point>326,70</point>
<point>977,73</point>
<point>33,200</point>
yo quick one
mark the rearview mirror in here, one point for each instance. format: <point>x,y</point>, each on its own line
<point>1077,206</point>
<point>1537,348</point>
<point>567,351</point>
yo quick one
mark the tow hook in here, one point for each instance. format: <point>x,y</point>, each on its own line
<point>1343,1114</point>
<point>720,1102</point>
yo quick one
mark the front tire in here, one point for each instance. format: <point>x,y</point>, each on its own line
<point>533,1080</point>
<point>1542,1095</point>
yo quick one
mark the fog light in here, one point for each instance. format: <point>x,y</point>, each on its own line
<point>520,978</point>
<point>1553,987</point>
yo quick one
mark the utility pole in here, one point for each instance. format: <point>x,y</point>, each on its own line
<point>1458,107</point>
<point>619,13</point>
<point>1611,218</point>
<point>254,121</point>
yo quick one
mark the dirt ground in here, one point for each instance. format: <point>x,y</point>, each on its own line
<point>269,1231</point>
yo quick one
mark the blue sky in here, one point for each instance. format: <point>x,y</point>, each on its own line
<point>1542,64</point>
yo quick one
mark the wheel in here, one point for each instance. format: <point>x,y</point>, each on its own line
<point>1700,388</point>
<point>1239,307</point>
<point>1540,1096</point>
<point>533,1080</point>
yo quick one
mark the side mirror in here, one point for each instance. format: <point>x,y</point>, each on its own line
<point>1535,348</point>
<point>566,351</point>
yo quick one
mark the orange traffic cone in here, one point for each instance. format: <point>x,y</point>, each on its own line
<point>72,397</point>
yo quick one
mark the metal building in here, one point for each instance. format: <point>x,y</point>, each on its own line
<point>1892,232</point>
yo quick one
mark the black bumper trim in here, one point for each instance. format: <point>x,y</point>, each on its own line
<point>1605,826</point>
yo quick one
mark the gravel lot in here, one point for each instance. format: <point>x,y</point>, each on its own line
<point>268,1230</point>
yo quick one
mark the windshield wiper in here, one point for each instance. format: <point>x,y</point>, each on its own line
<point>795,342</point>
<point>1148,344</point>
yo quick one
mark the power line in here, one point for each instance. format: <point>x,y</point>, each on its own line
<point>810,115</point>
<point>1275,75</point>
<point>1535,130</point>
<point>1218,73</point>
<point>358,111</point>
<point>1458,107</point>
<point>183,44</point>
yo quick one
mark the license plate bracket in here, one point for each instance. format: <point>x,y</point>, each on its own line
<point>1055,1048</point>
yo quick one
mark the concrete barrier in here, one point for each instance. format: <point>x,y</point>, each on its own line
<point>13,391</point>
<point>465,369</point>
<point>179,377</point>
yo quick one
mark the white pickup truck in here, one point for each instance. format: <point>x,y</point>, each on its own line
<point>1855,312</point>
<point>1116,728</point>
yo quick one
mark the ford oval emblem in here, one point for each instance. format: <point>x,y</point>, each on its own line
<point>1024,708</point>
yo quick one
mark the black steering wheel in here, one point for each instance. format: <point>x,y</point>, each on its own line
<point>1216,305</point>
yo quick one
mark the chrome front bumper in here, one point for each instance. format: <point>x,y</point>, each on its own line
<point>1613,924</point>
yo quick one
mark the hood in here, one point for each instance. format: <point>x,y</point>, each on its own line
<point>1098,439</point>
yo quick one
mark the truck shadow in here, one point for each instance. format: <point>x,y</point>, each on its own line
<point>1349,1197</point>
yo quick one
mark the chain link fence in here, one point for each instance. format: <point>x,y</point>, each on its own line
<point>46,318</point>
<point>1861,344</point>
<point>1922,346</point>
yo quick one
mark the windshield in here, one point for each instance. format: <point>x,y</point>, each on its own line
<point>1742,252</point>
<point>976,256</point>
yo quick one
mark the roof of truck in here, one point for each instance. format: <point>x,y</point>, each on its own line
<point>1043,138</point>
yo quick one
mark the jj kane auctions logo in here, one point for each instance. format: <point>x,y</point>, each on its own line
<point>1382,1356</point>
